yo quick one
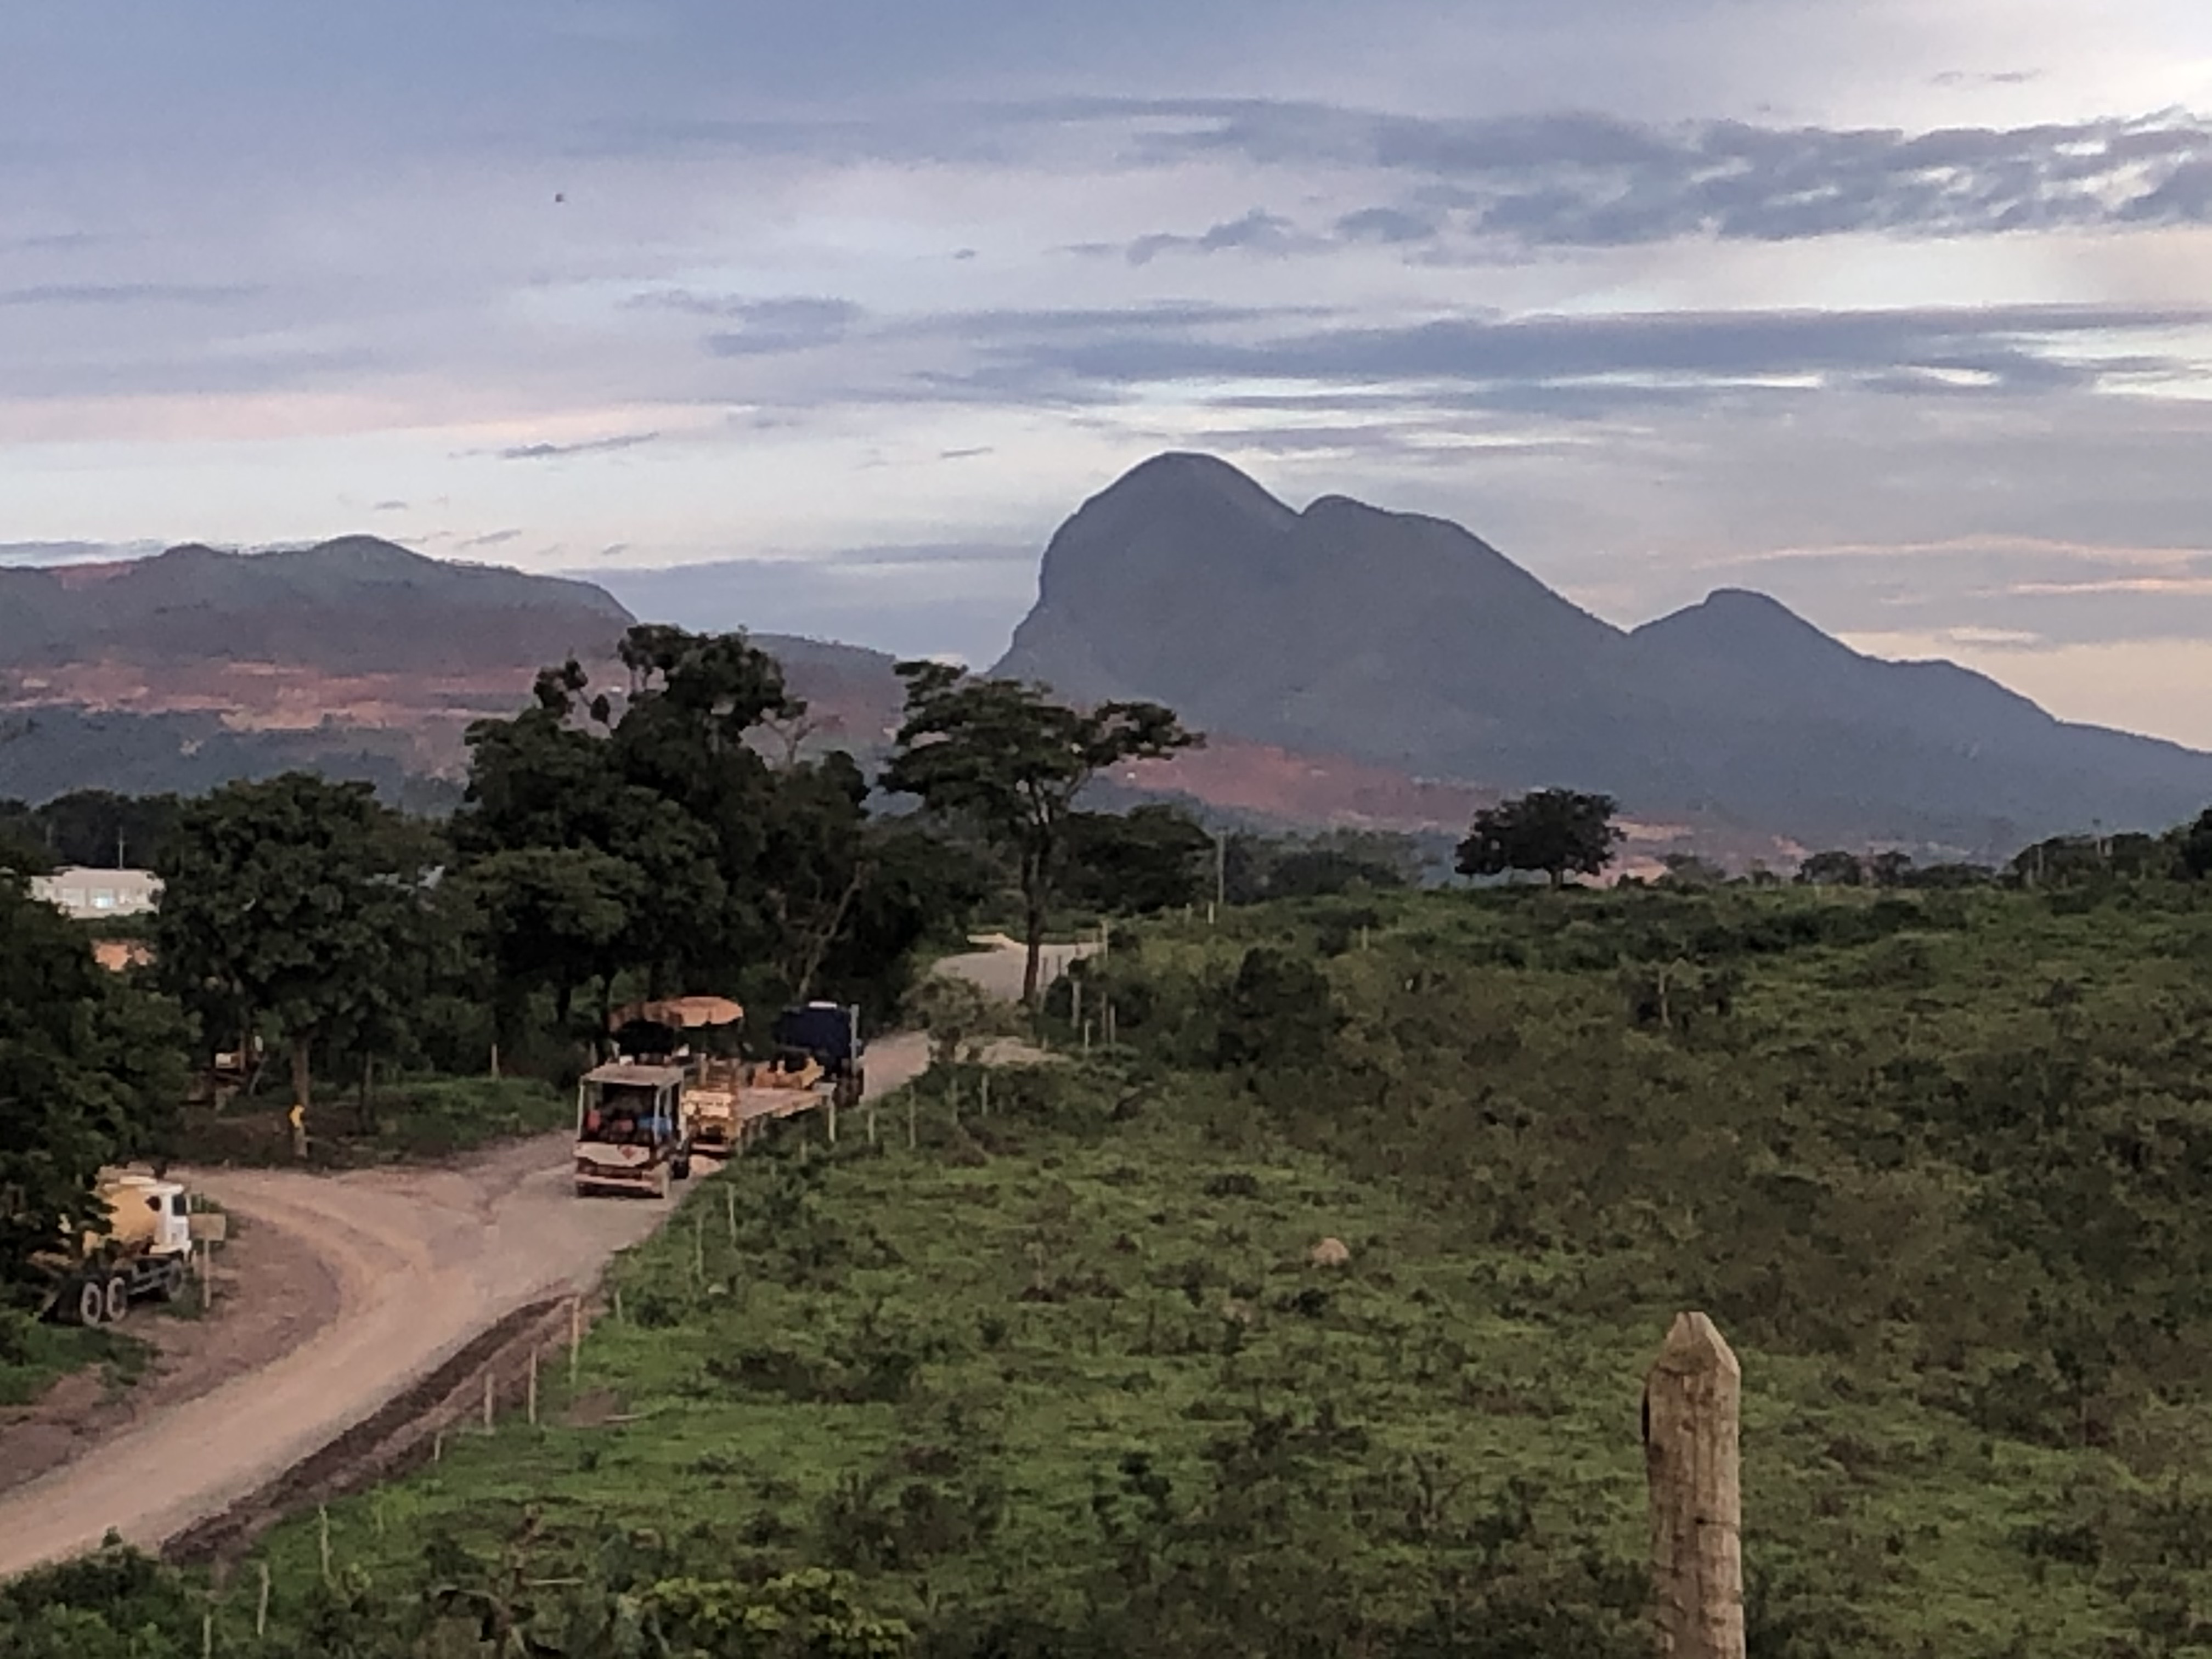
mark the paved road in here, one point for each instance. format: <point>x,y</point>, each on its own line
<point>425,1261</point>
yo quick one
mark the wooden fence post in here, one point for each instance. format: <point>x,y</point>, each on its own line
<point>575,1336</point>
<point>1692,1397</point>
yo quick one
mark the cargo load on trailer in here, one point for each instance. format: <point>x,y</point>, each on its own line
<point>144,1249</point>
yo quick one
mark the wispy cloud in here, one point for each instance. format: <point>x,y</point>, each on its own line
<point>547,451</point>
<point>1590,181</point>
<point>132,295</point>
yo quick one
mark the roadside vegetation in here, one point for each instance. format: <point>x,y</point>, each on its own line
<point>1086,1374</point>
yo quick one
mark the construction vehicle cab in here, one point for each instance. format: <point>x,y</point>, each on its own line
<point>633,1129</point>
<point>828,1034</point>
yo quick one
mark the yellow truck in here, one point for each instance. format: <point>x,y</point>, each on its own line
<point>144,1249</point>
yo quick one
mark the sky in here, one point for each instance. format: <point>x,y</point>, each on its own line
<point>1895,309</point>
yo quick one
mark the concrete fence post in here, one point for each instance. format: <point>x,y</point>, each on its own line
<point>1692,1399</point>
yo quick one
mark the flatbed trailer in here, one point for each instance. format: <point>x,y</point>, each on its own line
<point>732,1098</point>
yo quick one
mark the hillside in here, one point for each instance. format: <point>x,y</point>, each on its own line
<point>1405,641</point>
<point>1056,1371</point>
<point>355,657</point>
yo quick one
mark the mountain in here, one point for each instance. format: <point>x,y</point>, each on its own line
<point>356,605</point>
<point>1406,641</point>
<point>356,658</point>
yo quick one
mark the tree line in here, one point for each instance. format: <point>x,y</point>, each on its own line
<point>646,836</point>
<point>1560,833</point>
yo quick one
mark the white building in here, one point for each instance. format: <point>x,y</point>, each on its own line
<point>90,895</point>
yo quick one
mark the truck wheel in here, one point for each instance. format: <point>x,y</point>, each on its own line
<point>681,1169</point>
<point>172,1279</point>
<point>118,1298</point>
<point>91,1307</point>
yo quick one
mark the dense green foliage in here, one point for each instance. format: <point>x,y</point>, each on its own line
<point>90,1072</point>
<point>301,900</point>
<point>646,833</point>
<point>92,827</point>
<point>1064,1377</point>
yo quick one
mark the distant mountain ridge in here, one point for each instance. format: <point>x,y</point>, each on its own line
<point>1404,641</point>
<point>357,657</point>
<point>400,610</point>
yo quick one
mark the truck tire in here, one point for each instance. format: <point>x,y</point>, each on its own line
<point>681,1169</point>
<point>117,1297</point>
<point>172,1279</point>
<point>89,1305</point>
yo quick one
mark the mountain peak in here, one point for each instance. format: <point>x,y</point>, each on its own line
<point>1404,640</point>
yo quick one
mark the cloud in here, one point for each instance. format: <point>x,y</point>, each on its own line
<point>767,327</point>
<point>1256,232</point>
<point>389,506</point>
<point>546,452</point>
<point>492,538</point>
<point>1593,181</point>
<point>1571,363</point>
<point>132,295</point>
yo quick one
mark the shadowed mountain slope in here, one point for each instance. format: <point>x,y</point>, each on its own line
<point>1404,641</point>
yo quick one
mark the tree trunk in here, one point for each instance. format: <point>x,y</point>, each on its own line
<point>563,1000</point>
<point>301,1080</point>
<point>365,1110</point>
<point>1033,938</point>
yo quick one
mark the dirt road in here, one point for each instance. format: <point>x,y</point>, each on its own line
<point>424,1261</point>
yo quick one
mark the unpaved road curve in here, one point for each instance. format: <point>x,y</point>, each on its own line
<point>425,1259</point>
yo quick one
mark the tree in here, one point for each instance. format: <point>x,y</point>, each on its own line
<point>91,1071</point>
<point>1692,871</point>
<point>555,917</point>
<point>294,896</point>
<point>1558,831</point>
<point>2193,845</point>
<point>1833,869</point>
<point>1003,755</point>
<point>1891,868</point>
<point>1136,863</point>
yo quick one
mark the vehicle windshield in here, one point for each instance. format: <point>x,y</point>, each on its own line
<point>624,1115</point>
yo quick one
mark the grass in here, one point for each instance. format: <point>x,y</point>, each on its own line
<point>34,1356</point>
<point>1066,1379</point>
<point>933,1369</point>
<point>417,1120</point>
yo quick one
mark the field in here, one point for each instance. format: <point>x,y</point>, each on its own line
<point>1066,1378</point>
